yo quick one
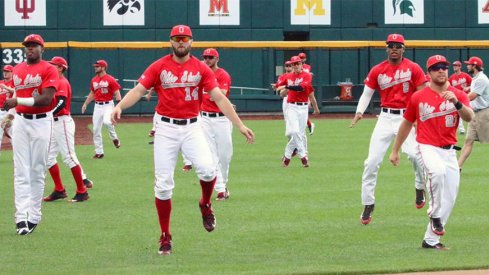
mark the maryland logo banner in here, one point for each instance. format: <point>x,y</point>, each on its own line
<point>404,11</point>
<point>310,12</point>
<point>219,12</point>
<point>25,12</point>
<point>123,12</point>
<point>483,11</point>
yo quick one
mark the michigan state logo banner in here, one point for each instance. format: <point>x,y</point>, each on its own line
<point>310,12</point>
<point>219,12</point>
<point>404,11</point>
<point>123,12</point>
<point>25,12</point>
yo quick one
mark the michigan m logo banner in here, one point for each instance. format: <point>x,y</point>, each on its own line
<point>310,12</point>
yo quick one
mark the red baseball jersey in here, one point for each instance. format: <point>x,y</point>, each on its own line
<point>437,119</point>
<point>460,81</point>
<point>29,80</point>
<point>395,83</point>
<point>306,68</point>
<point>5,94</point>
<point>104,87</point>
<point>64,89</point>
<point>302,79</point>
<point>178,86</point>
<point>224,81</point>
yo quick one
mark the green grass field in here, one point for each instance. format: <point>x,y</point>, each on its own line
<point>278,220</point>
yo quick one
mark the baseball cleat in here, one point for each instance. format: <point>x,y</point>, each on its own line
<point>88,183</point>
<point>208,218</point>
<point>366,216</point>
<point>438,246</point>
<point>56,195</point>
<point>31,226</point>
<point>117,143</point>
<point>98,156</point>
<point>165,244</point>
<point>420,198</point>
<point>285,161</point>
<point>437,227</point>
<point>305,162</point>
<point>151,133</point>
<point>22,228</point>
<point>187,168</point>
<point>80,197</point>
<point>222,196</point>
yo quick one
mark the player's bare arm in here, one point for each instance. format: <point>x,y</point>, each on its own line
<point>5,87</point>
<point>225,106</point>
<point>87,101</point>
<point>131,98</point>
<point>118,95</point>
<point>402,134</point>
<point>314,104</point>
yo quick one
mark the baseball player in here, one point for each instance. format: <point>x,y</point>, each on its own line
<point>461,81</point>
<point>478,128</point>
<point>102,89</point>
<point>436,110</point>
<point>307,68</point>
<point>396,79</point>
<point>217,127</point>
<point>297,86</point>
<point>35,82</point>
<point>179,80</point>
<point>63,140</point>
<point>6,92</point>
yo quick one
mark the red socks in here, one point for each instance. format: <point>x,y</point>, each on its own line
<point>207,188</point>
<point>77,175</point>
<point>55,174</point>
<point>163,207</point>
<point>308,123</point>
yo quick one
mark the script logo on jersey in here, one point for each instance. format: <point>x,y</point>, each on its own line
<point>461,81</point>
<point>188,79</point>
<point>426,111</point>
<point>385,81</point>
<point>30,81</point>
<point>103,85</point>
<point>294,82</point>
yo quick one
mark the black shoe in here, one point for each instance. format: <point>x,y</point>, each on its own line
<point>98,156</point>
<point>88,183</point>
<point>366,217</point>
<point>208,218</point>
<point>438,246</point>
<point>22,228</point>
<point>420,198</point>
<point>80,197</point>
<point>56,195</point>
<point>437,227</point>
<point>117,143</point>
<point>31,226</point>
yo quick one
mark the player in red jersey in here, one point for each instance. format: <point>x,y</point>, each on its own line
<point>298,89</point>
<point>307,68</point>
<point>35,84</point>
<point>436,110</point>
<point>217,127</point>
<point>63,141</point>
<point>103,88</point>
<point>396,79</point>
<point>179,80</point>
<point>461,81</point>
<point>6,91</point>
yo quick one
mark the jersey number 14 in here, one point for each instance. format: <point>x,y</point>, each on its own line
<point>191,95</point>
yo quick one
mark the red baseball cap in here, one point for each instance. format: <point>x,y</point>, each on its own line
<point>181,30</point>
<point>474,60</point>
<point>8,68</point>
<point>58,60</point>
<point>395,38</point>
<point>436,59</point>
<point>302,55</point>
<point>288,62</point>
<point>33,38</point>
<point>210,52</point>
<point>457,63</point>
<point>101,63</point>
<point>295,59</point>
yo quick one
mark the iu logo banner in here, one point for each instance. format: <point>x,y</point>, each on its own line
<point>25,13</point>
<point>310,12</point>
<point>123,12</point>
<point>404,11</point>
<point>483,11</point>
<point>219,12</point>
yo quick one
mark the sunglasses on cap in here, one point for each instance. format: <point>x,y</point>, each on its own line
<point>438,67</point>
<point>208,57</point>
<point>184,39</point>
<point>395,46</point>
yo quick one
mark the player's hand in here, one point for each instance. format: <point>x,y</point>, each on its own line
<point>394,158</point>
<point>316,112</point>
<point>10,103</point>
<point>148,96</point>
<point>450,96</point>
<point>116,114</point>
<point>84,108</point>
<point>357,117</point>
<point>248,133</point>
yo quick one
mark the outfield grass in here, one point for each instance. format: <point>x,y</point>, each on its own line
<point>278,220</point>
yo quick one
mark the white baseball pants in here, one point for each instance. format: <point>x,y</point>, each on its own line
<point>296,122</point>
<point>101,117</point>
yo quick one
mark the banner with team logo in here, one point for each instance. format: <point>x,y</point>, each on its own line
<point>123,12</point>
<point>25,12</point>
<point>219,12</point>
<point>404,11</point>
<point>483,11</point>
<point>310,12</point>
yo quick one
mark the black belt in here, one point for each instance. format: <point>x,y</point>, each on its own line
<point>102,102</point>
<point>32,116</point>
<point>178,121</point>
<point>2,109</point>
<point>449,147</point>
<point>207,114</point>
<point>56,119</point>
<point>299,103</point>
<point>393,111</point>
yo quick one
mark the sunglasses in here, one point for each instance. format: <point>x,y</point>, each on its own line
<point>184,39</point>
<point>438,67</point>
<point>296,63</point>
<point>288,65</point>
<point>395,46</point>
<point>208,57</point>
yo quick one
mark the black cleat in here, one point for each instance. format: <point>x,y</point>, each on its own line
<point>366,216</point>
<point>56,195</point>
<point>420,198</point>
<point>88,183</point>
<point>208,218</point>
<point>117,143</point>
<point>22,228</point>
<point>31,226</point>
<point>438,246</point>
<point>437,227</point>
<point>80,197</point>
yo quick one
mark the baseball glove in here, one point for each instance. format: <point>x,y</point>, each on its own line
<point>6,124</point>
